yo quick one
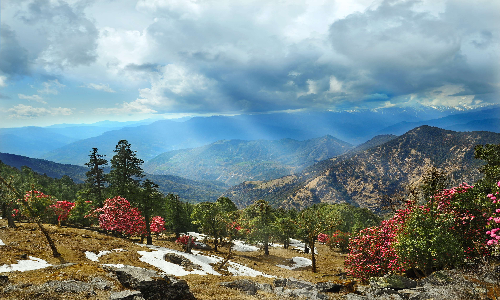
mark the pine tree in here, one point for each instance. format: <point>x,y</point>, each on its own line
<point>95,177</point>
<point>126,172</point>
<point>259,219</point>
<point>177,215</point>
<point>149,204</point>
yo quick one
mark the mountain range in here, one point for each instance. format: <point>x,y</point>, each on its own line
<point>364,177</point>
<point>235,161</point>
<point>71,144</point>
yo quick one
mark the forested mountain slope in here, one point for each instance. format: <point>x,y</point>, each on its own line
<point>235,161</point>
<point>363,178</point>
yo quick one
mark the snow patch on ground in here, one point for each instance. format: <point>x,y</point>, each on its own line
<point>32,263</point>
<point>298,262</point>
<point>95,257</point>
<point>243,247</point>
<point>198,236</point>
<point>2,243</point>
<point>299,246</point>
<point>156,258</point>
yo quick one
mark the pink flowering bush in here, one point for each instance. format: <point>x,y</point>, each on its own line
<point>186,241</point>
<point>62,210</point>
<point>36,206</point>
<point>445,231</point>
<point>157,224</point>
<point>493,234</point>
<point>339,240</point>
<point>372,252</point>
<point>117,215</point>
<point>323,238</point>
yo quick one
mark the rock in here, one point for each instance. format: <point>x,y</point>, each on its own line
<point>126,295</point>
<point>244,285</point>
<point>152,285</point>
<point>101,284</point>
<point>265,287</point>
<point>352,296</point>
<point>393,281</point>
<point>180,260</point>
<point>328,287</point>
<point>68,286</point>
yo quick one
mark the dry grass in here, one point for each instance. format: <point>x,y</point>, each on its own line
<point>72,243</point>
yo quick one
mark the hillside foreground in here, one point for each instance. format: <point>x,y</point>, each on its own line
<point>27,241</point>
<point>78,264</point>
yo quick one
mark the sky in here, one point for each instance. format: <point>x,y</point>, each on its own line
<point>83,61</point>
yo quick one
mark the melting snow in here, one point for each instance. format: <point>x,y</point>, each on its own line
<point>242,247</point>
<point>156,258</point>
<point>298,262</point>
<point>95,257</point>
<point>298,245</point>
<point>32,263</point>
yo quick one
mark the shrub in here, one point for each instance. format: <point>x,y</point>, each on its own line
<point>371,251</point>
<point>157,224</point>
<point>62,210</point>
<point>36,206</point>
<point>339,240</point>
<point>117,215</point>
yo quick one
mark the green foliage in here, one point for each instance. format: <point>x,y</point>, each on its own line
<point>490,153</point>
<point>428,241</point>
<point>352,219</point>
<point>258,220</point>
<point>126,172</point>
<point>285,226</point>
<point>314,220</point>
<point>77,215</point>
<point>36,207</point>
<point>177,215</point>
<point>95,177</point>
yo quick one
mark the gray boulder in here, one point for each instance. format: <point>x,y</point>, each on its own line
<point>247,286</point>
<point>152,285</point>
<point>393,281</point>
<point>126,295</point>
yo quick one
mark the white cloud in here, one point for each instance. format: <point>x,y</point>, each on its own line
<point>51,86</point>
<point>22,111</point>
<point>3,80</point>
<point>100,87</point>
<point>31,98</point>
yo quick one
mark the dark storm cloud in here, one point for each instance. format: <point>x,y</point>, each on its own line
<point>13,57</point>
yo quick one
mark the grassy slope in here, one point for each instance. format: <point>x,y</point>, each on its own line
<point>72,243</point>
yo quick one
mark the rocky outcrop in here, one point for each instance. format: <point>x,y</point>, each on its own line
<point>151,285</point>
<point>441,285</point>
<point>140,284</point>
<point>286,288</point>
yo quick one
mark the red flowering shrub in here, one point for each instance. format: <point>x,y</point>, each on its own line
<point>339,240</point>
<point>117,215</point>
<point>62,210</point>
<point>157,224</point>
<point>323,238</point>
<point>372,252</point>
<point>494,219</point>
<point>36,206</point>
<point>184,239</point>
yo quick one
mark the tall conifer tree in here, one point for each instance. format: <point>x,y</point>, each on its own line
<point>126,172</point>
<point>95,177</point>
